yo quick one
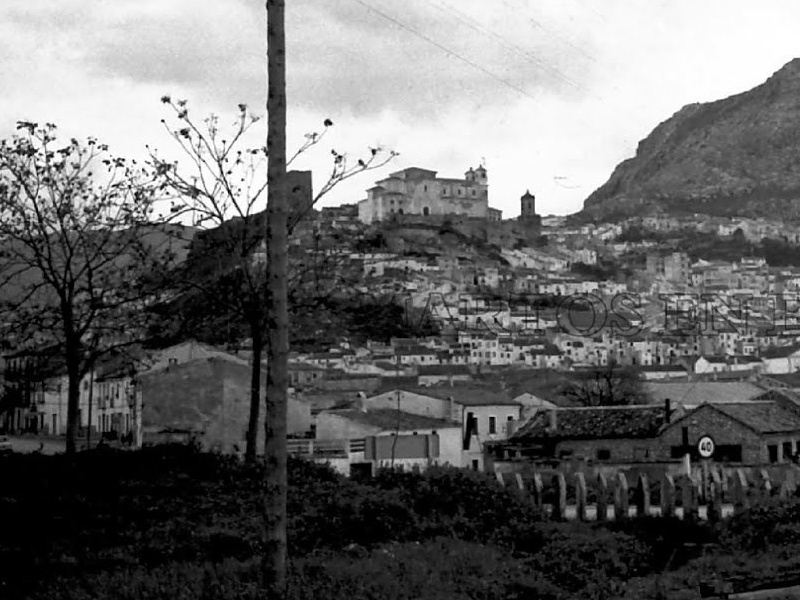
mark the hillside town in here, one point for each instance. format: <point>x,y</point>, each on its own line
<point>521,316</point>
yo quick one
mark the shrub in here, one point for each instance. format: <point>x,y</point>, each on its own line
<point>460,503</point>
<point>773,523</point>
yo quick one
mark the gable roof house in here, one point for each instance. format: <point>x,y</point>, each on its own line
<point>207,399</point>
<point>782,359</point>
<point>392,437</point>
<point>754,433</point>
<point>626,434</point>
<point>484,413</point>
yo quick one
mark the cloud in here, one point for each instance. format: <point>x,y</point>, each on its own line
<point>553,93</point>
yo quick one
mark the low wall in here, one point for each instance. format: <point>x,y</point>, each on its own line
<point>714,496</point>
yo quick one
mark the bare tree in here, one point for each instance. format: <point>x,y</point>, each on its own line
<point>608,385</point>
<point>224,186</point>
<point>80,258</point>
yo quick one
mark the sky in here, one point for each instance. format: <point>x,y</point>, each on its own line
<point>550,95</point>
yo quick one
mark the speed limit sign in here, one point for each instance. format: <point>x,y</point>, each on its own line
<point>705,447</point>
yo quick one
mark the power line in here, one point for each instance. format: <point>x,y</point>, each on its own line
<point>444,48</point>
<point>480,28</point>
<point>555,35</point>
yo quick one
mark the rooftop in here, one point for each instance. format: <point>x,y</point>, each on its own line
<point>697,392</point>
<point>389,419</point>
<point>608,422</point>
<point>763,417</point>
<point>465,394</point>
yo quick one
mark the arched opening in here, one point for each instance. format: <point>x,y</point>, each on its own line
<point>426,211</point>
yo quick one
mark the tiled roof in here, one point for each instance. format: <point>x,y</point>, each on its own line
<point>790,379</point>
<point>443,370</point>
<point>697,392</point>
<point>414,351</point>
<point>780,396</point>
<point>391,419</point>
<point>626,422</point>
<point>472,394</point>
<point>764,417</point>
<point>664,368</point>
<point>781,351</point>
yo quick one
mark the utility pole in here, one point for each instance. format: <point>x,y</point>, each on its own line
<point>274,562</point>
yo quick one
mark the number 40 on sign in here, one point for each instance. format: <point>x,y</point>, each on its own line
<point>705,447</point>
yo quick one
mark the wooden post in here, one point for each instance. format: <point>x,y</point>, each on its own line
<point>520,485</point>
<point>741,492</point>
<point>642,496</point>
<point>713,503</point>
<point>580,496</point>
<point>621,497</point>
<point>766,484</point>
<point>787,489</point>
<point>560,505</point>
<point>538,490</point>
<point>602,497</point>
<point>667,496</point>
<point>690,497</point>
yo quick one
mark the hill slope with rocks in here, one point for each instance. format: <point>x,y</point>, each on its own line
<point>739,156</point>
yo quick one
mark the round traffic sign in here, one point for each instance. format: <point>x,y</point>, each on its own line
<point>705,447</point>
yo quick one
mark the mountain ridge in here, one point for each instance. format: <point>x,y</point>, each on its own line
<point>737,156</point>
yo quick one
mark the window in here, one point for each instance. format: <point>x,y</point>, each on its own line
<point>473,192</point>
<point>472,422</point>
<point>426,211</point>
<point>787,451</point>
<point>728,453</point>
<point>772,450</point>
<point>603,454</point>
<point>492,424</point>
<point>475,465</point>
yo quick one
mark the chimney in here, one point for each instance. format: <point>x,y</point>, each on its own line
<point>667,410</point>
<point>553,421</point>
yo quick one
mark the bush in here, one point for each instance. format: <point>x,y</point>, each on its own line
<point>774,523</point>
<point>464,504</point>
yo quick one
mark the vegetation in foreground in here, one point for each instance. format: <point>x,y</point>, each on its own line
<point>172,522</point>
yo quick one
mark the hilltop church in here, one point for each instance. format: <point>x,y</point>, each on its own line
<point>416,191</point>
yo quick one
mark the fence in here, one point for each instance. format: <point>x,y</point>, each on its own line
<point>324,448</point>
<point>617,498</point>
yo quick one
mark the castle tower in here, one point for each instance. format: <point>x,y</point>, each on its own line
<point>528,207</point>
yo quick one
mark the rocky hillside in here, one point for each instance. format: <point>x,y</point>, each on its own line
<point>739,156</point>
